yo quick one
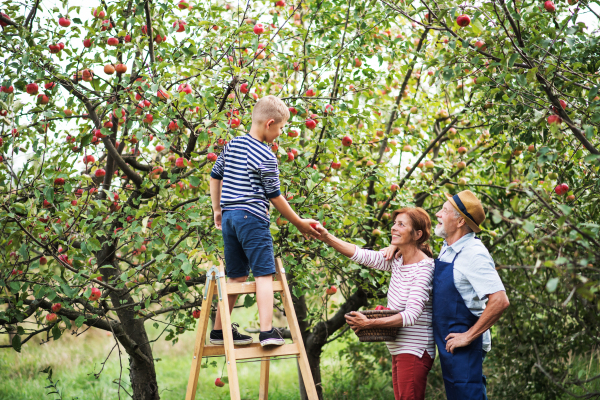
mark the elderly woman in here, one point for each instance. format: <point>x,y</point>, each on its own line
<point>409,291</point>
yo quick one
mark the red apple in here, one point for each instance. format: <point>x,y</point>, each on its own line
<point>561,189</point>
<point>219,382</point>
<point>100,172</point>
<point>259,29</point>
<point>336,165</point>
<point>173,126</point>
<point>290,156</point>
<point>59,181</point>
<point>56,307</point>
<point>394,187</point>
<point>64,22</point>
<point>357,62</point>
<point>112,41</point>
<point>310,124</point>
<point>148,119</point>
<point>310,92</point>
<point>121,68</point>
<point>43,260</point>
<point>346,141</point>
<point>185,88</point>
<point>244,87</point>
<point>96,293</point>
<point>32,88</point>
<point>181,27</point>
<point>196,314</point>
<point>180,162</point>
<point>462,150</point>
<point>554,119</point>
<point>51,318</point>
<point>183,4</point>
<point>549,6</point>
<point>463,20</point>
<point>331,290</point>
<point>87,43</point>
<point>293,111</point>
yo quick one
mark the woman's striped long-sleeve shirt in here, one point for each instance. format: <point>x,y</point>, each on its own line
<point>410,292</point>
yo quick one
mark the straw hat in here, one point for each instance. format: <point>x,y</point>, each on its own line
<point>469,207</point>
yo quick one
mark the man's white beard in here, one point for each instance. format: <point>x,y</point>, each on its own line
<point>440,231</point>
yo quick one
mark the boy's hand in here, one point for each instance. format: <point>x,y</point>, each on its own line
<point>389,252</point>
<point>218,217</point>
<point>307,228</point>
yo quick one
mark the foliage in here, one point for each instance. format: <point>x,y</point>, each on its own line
<point>429,106</point>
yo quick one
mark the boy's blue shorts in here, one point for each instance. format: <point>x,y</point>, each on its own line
<point>248,244</point>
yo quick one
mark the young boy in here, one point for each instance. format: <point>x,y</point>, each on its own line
<point>245,177</point>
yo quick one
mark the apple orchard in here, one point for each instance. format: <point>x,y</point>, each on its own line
<point>111,118</point>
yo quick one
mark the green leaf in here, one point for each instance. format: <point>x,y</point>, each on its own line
<point>512,59</point>
<point>49,194</point>
<point>56,332</point>
<point>16,343</point>
<point>552,284</point>
<point>529,227</point>
<point>565,209</point>
<point>249,300</point>
<point>593,92</point>
<point>80,321</point>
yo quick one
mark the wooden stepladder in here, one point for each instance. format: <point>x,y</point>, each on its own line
<point>215,277</point>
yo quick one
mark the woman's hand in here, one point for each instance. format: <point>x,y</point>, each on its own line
<point>357,321</point>
<point>389,252</point>
<point>324,233</point>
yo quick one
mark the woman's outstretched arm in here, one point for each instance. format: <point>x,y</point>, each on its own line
<point>347,249</point>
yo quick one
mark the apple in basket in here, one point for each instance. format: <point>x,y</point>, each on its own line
<point>381,308</point>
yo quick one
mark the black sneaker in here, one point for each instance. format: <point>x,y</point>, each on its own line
<point>238,338</point>
<point>272,338</point>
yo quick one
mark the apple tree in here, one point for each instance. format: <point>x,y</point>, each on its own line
<point>112,117</point>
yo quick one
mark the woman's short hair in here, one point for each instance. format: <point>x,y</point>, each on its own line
<point>420,221</point>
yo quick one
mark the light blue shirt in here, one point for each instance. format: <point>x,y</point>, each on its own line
<point>475,275</point>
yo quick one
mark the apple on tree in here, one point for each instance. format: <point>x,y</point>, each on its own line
<point>51,318</point>
<point>331,290</point>
<point>463,20</point>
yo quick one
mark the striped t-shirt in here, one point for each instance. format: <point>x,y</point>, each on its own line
<point>410,292</point>
<point>250,176</point>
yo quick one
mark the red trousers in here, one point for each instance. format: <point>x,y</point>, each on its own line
<point>409,374</point>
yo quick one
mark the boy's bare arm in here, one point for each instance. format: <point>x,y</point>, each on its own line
<point>303,225</point>
<point>215,196</point>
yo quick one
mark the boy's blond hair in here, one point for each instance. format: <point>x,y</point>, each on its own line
<point>270,107</point>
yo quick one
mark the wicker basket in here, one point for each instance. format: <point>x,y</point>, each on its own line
<point>378,334</point>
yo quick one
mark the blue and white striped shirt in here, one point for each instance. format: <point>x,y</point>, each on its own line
<point>250,176</point>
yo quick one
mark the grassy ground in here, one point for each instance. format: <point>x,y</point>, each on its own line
<point>76,359</point>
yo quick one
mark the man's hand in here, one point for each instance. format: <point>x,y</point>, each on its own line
<point>357,321</point>
<point>388,252</point>
<point>456,340</point>
<point>218,217</point>
<point>307,228</point>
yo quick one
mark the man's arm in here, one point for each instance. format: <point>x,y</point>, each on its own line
<point>497,303</point>
<point>215,196</point>
<point>303,225</point>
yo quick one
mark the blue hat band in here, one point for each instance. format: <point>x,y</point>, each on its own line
<point>462,207</point>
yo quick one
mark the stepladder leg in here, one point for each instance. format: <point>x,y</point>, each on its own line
<point>263,391</point>
<point>286,297</point>
<point>234,386</point>
<point>200,339</point>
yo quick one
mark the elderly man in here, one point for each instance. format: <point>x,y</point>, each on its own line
<point>464,279</point>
